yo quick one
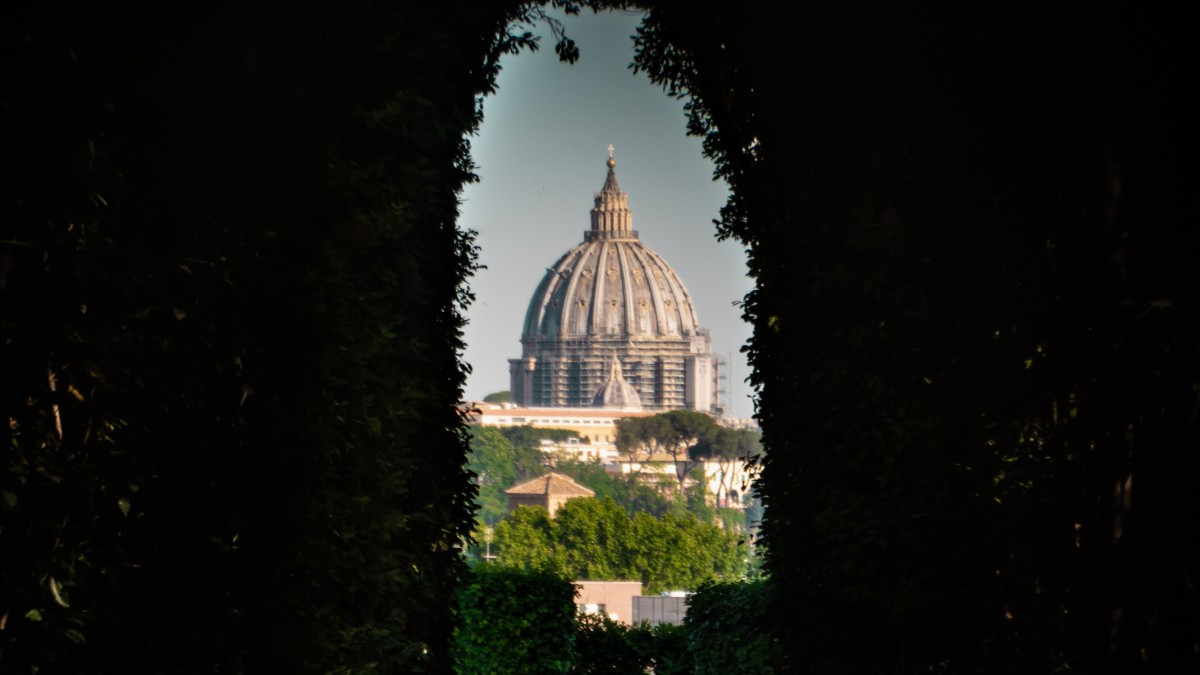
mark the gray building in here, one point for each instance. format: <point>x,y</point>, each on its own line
<point>656,609</point>
<point>613,300</point>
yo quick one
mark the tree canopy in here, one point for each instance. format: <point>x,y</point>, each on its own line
<point>731,449</point>
<point>672,433</point>
<point>595,539</point>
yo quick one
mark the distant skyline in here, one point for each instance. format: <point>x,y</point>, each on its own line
<point>541,154</point>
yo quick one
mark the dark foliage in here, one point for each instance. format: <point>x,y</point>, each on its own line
<point>605,646</point>
<point>726,626</point>
<point>667,647</point>
<point>975,324</point>
<point>230,299</point>
<point>514,622</point>
<point>230,286</point>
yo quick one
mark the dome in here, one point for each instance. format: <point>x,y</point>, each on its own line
<point>611,325</point>
<point>611,285</point>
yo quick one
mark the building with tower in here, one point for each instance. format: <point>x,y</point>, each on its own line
<point>611,325</point>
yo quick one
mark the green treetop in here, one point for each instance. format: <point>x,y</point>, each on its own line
<point>595,539</point>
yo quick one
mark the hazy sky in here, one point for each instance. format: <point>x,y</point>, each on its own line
<point>541,155</point>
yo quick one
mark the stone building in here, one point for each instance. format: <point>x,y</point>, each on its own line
<point>612,325</point>
<point>548,491</point>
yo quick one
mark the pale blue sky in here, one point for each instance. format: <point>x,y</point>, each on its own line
<point>541,155</point>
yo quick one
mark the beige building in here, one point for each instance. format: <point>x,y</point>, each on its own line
<point>612,325</point>
<point>548,491</point>
<point>573,450</point>
<point>598,425</point>
<point>613,599</point>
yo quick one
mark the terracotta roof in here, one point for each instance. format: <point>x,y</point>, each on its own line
<point>550,484</point>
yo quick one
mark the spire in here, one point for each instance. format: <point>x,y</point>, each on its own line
<point>614,370</point>
<point>611,217</point>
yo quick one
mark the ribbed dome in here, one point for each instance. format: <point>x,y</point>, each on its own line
<point>616,392</point>
<point>611,285</point>
<point>611,325</point>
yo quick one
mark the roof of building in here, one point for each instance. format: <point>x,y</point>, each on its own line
<point>530,413</point>
<point>551,483</point>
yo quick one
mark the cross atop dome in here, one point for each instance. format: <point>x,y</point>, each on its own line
<point>611,162</point>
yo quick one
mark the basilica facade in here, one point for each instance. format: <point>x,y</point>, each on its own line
<point>611,325</point>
